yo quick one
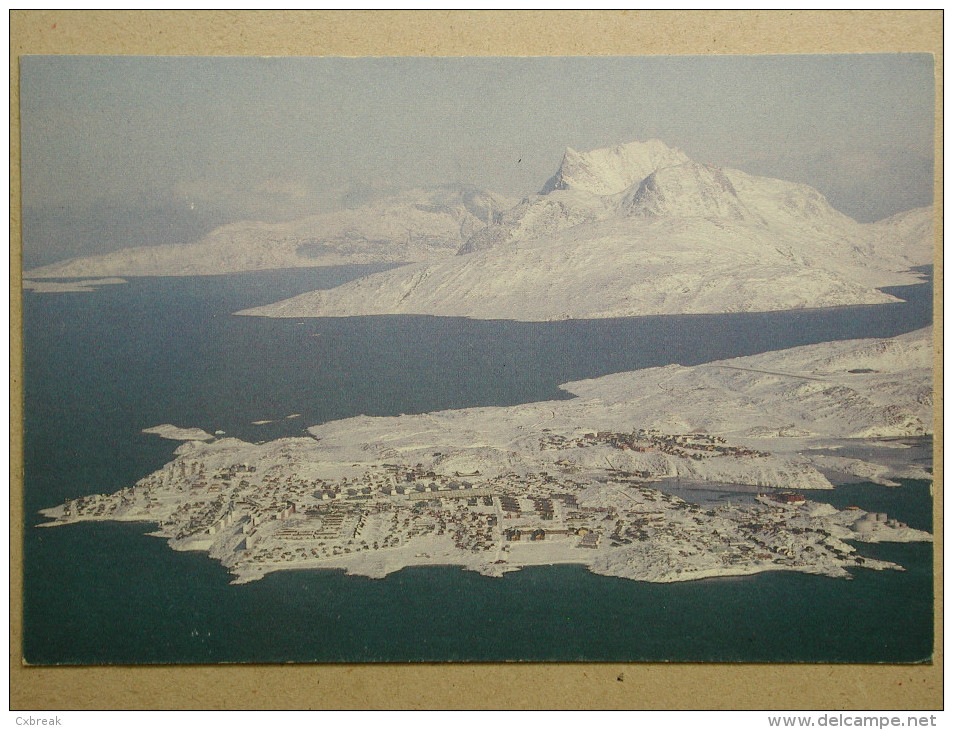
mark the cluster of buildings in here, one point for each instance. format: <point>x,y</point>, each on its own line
<point>692,446</point>
<point>279,513</point>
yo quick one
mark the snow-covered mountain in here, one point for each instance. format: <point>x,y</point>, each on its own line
<point>612,170</point>
<point>641,229</point>
<point>584,189</point>
<point>414,226</point>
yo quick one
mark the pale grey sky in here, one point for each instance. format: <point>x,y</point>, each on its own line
<point>123,151</point>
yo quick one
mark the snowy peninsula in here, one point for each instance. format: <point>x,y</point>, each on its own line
<point>176,433</point>
<point>71,287</point>
<point>570,481</point>
<point>641,229</point>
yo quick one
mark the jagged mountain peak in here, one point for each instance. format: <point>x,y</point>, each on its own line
<point>687,190</point>
<point>583,190</point>
<point>650,180</point>
<point>611,170</point>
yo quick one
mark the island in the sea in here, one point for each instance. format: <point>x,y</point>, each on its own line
<point>584,480</point>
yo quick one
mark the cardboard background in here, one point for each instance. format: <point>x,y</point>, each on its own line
<point>462,686</point>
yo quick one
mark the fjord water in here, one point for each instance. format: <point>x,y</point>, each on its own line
<point>101,366</point>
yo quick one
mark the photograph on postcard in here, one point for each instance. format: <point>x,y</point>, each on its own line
<point>478,359</point>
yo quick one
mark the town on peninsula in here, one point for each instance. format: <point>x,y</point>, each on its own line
<point>585,480</point>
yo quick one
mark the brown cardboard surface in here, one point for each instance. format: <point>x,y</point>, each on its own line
<point>463,686</point>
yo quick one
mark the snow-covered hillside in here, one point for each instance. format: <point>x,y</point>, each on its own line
<point>786,405</point>
<point>414,226</point>
<point>641,229</point>
<point>873,388</point>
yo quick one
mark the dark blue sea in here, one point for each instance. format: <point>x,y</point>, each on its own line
<point>100,367</point>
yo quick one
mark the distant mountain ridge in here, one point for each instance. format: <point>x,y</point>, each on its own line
<point>417,225</point>
<point>641,229</point>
